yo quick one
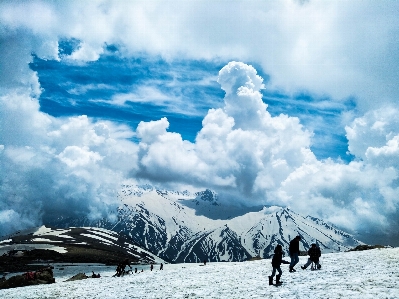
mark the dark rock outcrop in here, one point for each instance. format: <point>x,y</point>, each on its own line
<point>42,276</point>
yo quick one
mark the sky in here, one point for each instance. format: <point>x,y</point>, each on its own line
<point>290,103</point>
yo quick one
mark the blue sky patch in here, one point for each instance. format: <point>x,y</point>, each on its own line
<point>145,88</point>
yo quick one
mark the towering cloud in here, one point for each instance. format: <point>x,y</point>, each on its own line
<point>240,147</point>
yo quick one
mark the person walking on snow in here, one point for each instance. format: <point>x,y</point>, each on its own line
<point>120,269</point>
<point>276,263</point>
<point>314,255</point>
<point>294,252</point>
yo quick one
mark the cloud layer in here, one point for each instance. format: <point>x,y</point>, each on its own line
<point>322,46</point>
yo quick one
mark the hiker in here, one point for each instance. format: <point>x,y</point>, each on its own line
<point>135,270</point>
<point>294,252</point>
<point>120,269</point>
<point>314,255</point>
<point>30,275</point>
<point>126,263</point>
<point>276,262</point>
<point>152,267</point>
<point>161,268</point>
<point>204,262</point>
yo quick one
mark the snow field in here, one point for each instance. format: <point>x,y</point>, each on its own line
<point>366,274</point>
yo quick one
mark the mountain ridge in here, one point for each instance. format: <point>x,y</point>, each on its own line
<point>22,250</point>
<point>168,224</point>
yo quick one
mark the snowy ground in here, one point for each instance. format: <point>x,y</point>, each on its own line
<point>365,274</point>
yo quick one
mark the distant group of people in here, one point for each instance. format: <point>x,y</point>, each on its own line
<point>121,268</point>
<point>94,275</point>
<point>314,253</point>
<point>152,267</point>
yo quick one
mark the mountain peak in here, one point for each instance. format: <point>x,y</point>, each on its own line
<point>207,195</point>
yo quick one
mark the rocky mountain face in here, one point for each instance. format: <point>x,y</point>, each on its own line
<point>73,244</point>
<point>183,227</point>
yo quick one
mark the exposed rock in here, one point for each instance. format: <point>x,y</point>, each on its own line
<point>366,247</point>
<point>78,276</point>
<point>43,276</point>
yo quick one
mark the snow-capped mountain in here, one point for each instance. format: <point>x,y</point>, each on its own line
<point>185,227</point>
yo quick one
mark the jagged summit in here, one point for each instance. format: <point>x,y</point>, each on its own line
<point>207,195</point>
<point>190,227</point>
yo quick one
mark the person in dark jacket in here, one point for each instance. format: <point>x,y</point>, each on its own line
<point>294,252</point>
<point>276,263</point>
<point>120,269</point>
<point>314,256</point>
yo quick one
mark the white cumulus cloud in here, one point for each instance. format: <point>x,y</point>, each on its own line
<point>56,166</point>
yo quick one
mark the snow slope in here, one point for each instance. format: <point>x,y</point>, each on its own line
<point>365,274</point>
<point>78,239</point>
